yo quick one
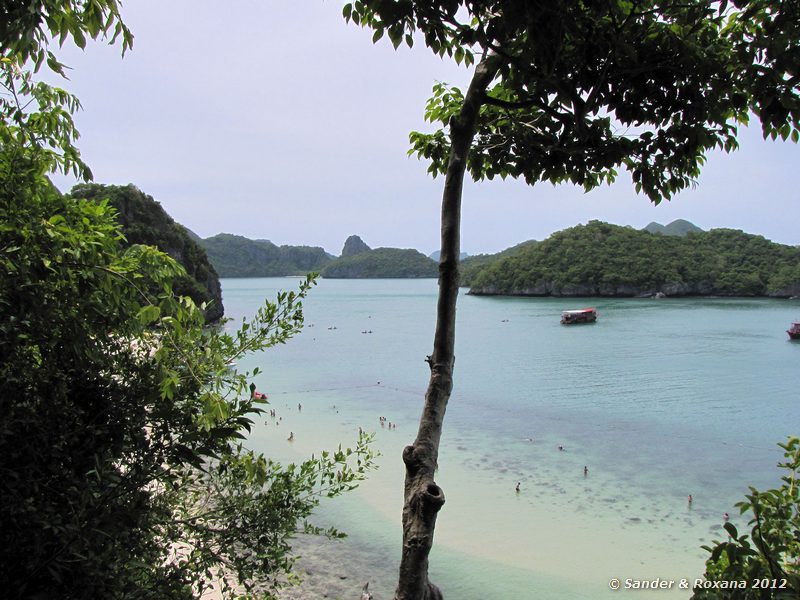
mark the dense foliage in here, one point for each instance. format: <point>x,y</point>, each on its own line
<point>584,88</point>
<point>124,473</point>
<point>599,259</point>
<point>144,221</point>
<point>382,263</point>
<point>472,265</point>
<point>120,446</point>
<point>237,256</point>
<point>768,559</point>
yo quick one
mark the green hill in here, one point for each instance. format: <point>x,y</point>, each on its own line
<point>382,263</point>
<point>237,256</point>
<point>679,227</point>
<point>472,265</point>
<point>144,221</point>
<point>599,259</point>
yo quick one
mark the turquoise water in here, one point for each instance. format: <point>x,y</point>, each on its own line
<point>659,399</point>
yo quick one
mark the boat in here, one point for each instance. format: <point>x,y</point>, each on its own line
<point>794,331</point>
<point>582,315</point>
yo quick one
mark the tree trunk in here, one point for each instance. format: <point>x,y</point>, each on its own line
<point>423,498</point>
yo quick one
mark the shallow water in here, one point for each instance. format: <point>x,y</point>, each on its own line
<point>659,399</point>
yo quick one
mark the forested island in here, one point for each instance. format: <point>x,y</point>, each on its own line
<point>238,256</point>
<point>596,259</point>
<point>359,261</point>
<point>600,259</point>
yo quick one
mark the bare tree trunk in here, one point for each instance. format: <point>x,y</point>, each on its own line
<point>423,498</point>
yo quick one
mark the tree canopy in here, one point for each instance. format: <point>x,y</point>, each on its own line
<point>579,89</point>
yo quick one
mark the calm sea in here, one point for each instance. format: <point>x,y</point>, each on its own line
<point>659,399</point>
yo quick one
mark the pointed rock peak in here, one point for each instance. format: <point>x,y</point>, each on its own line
<point>354,245</point>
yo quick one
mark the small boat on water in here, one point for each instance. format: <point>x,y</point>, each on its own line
<point>794,331</point>
<point>583,315</point>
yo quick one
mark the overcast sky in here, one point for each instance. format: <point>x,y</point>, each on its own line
<point>277,120</point>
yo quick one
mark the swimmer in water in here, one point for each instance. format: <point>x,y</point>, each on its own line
<point>517,488</point>
<point>291,436</point>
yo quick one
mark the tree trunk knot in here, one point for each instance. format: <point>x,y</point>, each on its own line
<point>411,459</point>
<point>433,498</point>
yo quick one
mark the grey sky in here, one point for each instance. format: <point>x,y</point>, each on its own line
<point>276,120</point>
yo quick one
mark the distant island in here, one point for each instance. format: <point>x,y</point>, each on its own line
<point>238,256</point>
<point>600,259</point>
<point>359,261</point>
<point>679,227</point>
<point>596,259</point>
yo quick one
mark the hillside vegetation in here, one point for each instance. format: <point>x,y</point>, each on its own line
<point>382,263</point>
<point>472,265</point>
<point>237,256</point>
<point>145,222</point>
<point>599,259</point>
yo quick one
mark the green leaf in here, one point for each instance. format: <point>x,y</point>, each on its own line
<point>148,314</point>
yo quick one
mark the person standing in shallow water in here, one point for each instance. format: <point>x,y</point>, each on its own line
<point>517,487</point>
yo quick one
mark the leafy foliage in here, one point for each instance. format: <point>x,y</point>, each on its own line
<point>124,470</point>
<point>38,117</point>
<point>771,553</point>
<point>586,88</point>
<point>121,443</point>
<point>144,221</point>
<point>603,259</point>
<point>27,28</point>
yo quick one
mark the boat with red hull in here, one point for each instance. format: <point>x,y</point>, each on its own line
<point>583,315</point>
<point>794,331</point>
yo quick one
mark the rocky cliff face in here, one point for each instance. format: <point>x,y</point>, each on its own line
<point>354,245</point>
<point>549,288</point>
